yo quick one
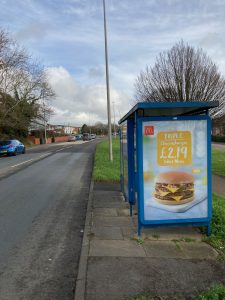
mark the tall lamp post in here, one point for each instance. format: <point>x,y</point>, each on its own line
<point>114,123</point>
<point>107,87</point>
<point>45,122</point>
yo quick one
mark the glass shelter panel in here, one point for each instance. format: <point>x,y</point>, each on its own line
<point>175,170</point>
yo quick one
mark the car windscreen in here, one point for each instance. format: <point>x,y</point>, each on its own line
<point>5,143</point>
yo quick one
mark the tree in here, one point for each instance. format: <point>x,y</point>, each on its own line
<point>182,74</point>
<point>84,128</point>
<point>23,87</point>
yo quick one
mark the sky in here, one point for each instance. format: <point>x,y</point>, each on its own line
<point>67,37</point>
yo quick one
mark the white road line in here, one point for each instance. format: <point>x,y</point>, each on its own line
<point>45,154</point>
<point>68,147</point>
<point>24,162</point>
<point>60,149</point>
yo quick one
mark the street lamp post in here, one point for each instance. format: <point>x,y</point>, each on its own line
<point>114,123</point>
<point>107,87</point>
<point>45,123</point>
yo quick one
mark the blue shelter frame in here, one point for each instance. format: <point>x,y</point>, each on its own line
<point>133,123</point>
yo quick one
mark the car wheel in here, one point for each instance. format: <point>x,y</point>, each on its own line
<point>15,152</point>
<point>24,150</point>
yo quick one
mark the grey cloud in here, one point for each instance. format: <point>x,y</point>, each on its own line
<point>34,31</point>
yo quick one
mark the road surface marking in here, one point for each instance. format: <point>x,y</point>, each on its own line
<point>45,154</point>
<point>60,149</point>
<point>24,162</point>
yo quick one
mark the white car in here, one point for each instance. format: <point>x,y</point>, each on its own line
<point>72,138</point>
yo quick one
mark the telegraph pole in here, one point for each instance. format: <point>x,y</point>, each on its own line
<point>107,87</point>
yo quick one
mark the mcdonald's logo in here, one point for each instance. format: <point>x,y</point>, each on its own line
<point>149,130</point>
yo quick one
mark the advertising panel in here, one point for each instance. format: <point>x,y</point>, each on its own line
<point>175,170</point>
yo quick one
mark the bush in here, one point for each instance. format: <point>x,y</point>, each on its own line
<point>218,138</point>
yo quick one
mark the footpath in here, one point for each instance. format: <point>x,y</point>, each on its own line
<point>166,262</point>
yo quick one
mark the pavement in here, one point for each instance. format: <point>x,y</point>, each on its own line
<point>219,145</point>
<point>218,183</point>
<point>114,265</point>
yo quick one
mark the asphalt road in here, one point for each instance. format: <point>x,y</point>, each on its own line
<point>43,198</point>
<point>219,145</point>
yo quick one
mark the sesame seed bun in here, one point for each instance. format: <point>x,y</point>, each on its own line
<point>173,177</point>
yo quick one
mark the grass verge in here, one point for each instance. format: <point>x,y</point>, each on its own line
<point>217,238</point>
<point>218,162</point>
<point>104,170</point>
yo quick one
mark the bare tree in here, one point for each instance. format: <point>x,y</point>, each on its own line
<point>182,74</point>
<point>23,83</point>
<point>13,60</point>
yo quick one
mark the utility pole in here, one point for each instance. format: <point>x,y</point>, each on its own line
<point>45,122</point>
<point>107,87</point>
<point>114,129</point>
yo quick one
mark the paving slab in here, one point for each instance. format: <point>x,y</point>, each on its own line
<point>106,204</point>
<point>104,186</point>
<point>108,194</point>
<point>107,212</point>
<point>165,249</point>
<point>172,233</point>
<point>108,198</point>
<point>119,278</point>
<point>107,233</point>
<point>198,250</point>
<point>123,212</point>
<point>182,250</point>
<point>111,221</point>
<point>129,232</point>
<point>116,248</point>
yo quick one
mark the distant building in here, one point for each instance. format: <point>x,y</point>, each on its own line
<point>63,129</point>
<point>55,129</point>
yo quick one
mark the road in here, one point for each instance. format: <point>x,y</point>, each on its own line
<point>219,145</point>
<point>43,198</point>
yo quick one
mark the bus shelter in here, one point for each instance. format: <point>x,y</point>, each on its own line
<point>166,163</point>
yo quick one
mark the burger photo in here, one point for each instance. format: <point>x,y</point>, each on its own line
<point>174,188</point>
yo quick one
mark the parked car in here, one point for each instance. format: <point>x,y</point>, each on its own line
<point>72,138</point>
<point>12,147</point>
<point>79,137</point>
<point>93,136</point>
<point>86,136</point>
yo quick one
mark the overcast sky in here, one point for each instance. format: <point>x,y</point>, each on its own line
<point>67,37</point>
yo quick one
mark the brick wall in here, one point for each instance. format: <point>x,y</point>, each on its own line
<point>34,140</point>
<point>59,139</point>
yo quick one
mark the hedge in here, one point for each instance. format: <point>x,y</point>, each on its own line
<point>219,139</point>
